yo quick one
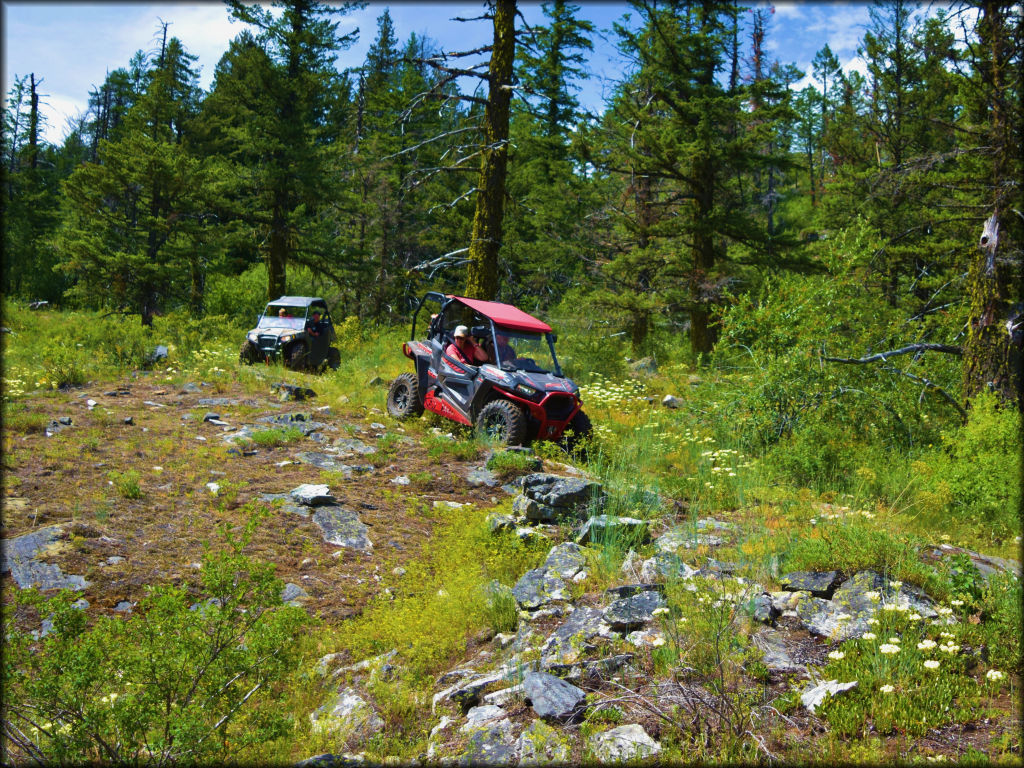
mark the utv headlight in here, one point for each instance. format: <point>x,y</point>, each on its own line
<point>253,337</point>
<point>525,390</point>
<point>287,337</point>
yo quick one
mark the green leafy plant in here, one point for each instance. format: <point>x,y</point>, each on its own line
<point>127,483</point>
<point>170,683</point>
<point>268,438</point>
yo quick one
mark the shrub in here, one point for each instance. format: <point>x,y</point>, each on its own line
<point>166,684</point>
<point>979,468</point>
<point>127,483</point>
<point>268,438</point>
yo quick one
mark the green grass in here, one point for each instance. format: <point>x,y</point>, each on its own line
<point>268,438</point>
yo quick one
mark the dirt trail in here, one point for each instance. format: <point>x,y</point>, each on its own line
<point>121,545</point>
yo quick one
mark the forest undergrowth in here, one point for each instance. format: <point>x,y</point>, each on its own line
<point>763,436</point>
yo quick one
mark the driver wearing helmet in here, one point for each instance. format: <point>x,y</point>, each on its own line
<point>464,349</point>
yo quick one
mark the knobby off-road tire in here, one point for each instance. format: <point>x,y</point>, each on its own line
<point>502,420</point>
<point>297,357</point>
<point>333,358</point>
<point>404,397</point>
<point>249,353</point>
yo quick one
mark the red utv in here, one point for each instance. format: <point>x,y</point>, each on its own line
<point>519,395</point>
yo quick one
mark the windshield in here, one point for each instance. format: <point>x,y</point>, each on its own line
<point>273,320</point>
<point>524,351</point>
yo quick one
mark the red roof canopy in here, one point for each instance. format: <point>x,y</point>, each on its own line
<point>505,315</point>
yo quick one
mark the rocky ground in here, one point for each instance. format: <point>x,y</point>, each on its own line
<point>342,493</point>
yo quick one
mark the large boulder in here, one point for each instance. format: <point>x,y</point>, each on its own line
<point>553,698</point>
<point>819,583</point>
<point>633,612</point>
<point>341,526</point>
<point>571,496</point>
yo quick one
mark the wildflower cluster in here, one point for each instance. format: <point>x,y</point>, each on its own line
<point>621,396</point>
<point>906,656</point>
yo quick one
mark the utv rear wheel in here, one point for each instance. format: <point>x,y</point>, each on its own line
<point>404,397</point>
<point>333,358</point>
<point>502,420</point>
<point>297,357</point>
<point>249,353</point>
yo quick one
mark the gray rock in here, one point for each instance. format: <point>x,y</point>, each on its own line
<point>601,528</point>
<point>466,692</point>
<point>341,526</point>
<point>567,559</point>
<point>815,694</point>
<point>710,524</point>
<point>211,416</point>
<point>819,583</point>
<point>684,537</point>
<point>491,744</point>
<point>539,587</point>
<point>571,493</point>
<point>633,612</point>
<point>347,716</point>
<point>628,590</point>
<point>123,607</point>
<point>190,387</point>
<point>718,568</point>
<point>623,744</point>
<point>217,401</point>
<point>846,614</point>
<point>292,593</point>
<point>778,656</point>
<point>353,446</point>
<point>671,401</point>
<point>481,477</point>
<point>312,495</point>
<point>763,610</point>
<point>534,511</point>
<point>987,565</point>
<point>401,480</point>
<point>21,555</point>
<point>540,744</point>
<point>593,670</point>
<point>667,566</point>
<point>553,698</point>
<point>571,641</point>
<point>65,421</point>
<point>498,522</point>
<point>292,393</point>
<point>481,715</point>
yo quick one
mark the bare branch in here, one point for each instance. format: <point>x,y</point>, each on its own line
<point>883,356</point>
<point>930,385</point>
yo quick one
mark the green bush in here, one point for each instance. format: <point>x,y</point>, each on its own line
<point>979,468</point>
<point>169,683</point>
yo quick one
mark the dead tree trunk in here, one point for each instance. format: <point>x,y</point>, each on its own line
<point>992,352</point>
<point>482,275</point>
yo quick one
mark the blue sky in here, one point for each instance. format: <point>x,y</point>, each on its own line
<point>71,46</point>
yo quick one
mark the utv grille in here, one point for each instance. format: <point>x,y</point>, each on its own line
<point>268,343</point>
<point>559,407</point>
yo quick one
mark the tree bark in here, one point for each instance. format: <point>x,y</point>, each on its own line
<point>992,357</point>
<point>482,279</point>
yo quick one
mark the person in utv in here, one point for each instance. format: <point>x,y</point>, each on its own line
<point>313,326</point>
<point>464,349</point>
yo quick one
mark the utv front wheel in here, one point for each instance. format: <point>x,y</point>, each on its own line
<point>577,432</point>
<point>404,397</point>
<point>249,353</point>
<point>502,420</point>
<point>297,357</point>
